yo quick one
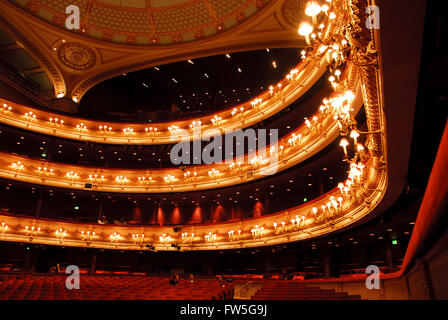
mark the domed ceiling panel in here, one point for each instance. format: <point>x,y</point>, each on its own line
<point>147,22</point>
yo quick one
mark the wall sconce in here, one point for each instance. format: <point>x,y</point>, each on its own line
<point>61,234</point>
<point>105,129</point>
<point>121,180</point>
<point>237,166</point>
<point>56,121</point>
<point>210,237</point>
<point>216,120</point>
<point>145,180</point>
<point>187,237</point>
<point>81,127</point>
<point>257,231</point>
<point>3,228</point>
<point>30,116</point>
<point>165,238</point>
<point>138,238</point>
<point>256,102</point>
<point>45,171</point>
<point>195,124</point>
<point>128,131</point>
<point>115,237</point>
<point>32,231</point>
<point>17,166</point>
<point>151,130</point>
<point>87,235</point>
<point>5,108</point>
<point>237,111</point>
<point>72,175</point>
<point>96,178</point>
<point>213,173</point>
<point>169,178</point>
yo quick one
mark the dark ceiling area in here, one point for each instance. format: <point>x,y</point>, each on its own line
<point>188,88</point>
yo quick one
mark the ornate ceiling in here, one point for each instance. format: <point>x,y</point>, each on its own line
<point>123,36</point>
<point>148,22</point>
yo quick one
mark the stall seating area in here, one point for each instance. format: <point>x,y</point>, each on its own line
<point>294,290</point>
<point>108,287</point>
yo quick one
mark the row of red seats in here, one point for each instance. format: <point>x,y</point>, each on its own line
<point>292,290</point>
<point>52,287</point>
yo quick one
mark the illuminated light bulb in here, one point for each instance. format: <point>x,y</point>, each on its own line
<point>359,147</point>
<point>314,210</point>
<point>344,143</point>
<point>332,15</point>
<point>354,134</point>
<point>81,127</point>
<point>349,95</point>
<point>341,186</point>
<point>323,48</point>
<point>216,120</point>
<point>325,8</point>
<point>334,55</point>
<point>6,108</point>
<point>305,29</point>
<point>275,225</point>
<point>312,8</point>
<point>337,73</point>
<point>30,115</point>
<point>195,124</point>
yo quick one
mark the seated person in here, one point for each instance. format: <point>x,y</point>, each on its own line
<point>284,275</point>
<point>174,280</point>
<point>103,220</point>
<point>221,281</point>
<point>191,280</point>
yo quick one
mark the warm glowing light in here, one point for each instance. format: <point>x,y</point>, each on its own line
<point>30,116</point>
<point>115,237</point>
<point>312,8</point>
<point>169,178</point>
<point>6,108</point>
<point>121,179</point>
<point>128,130</point>
<point>81,127</point>
<point>216,120</point>
<point>344,143</point>
<point>72,175</point>
<point>56,121</point>
<point>3,227</point>
<point>354,134</point>
<point>18,166</point>
<point>305,30</point>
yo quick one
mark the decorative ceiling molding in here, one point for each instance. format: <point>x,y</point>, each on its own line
<point>263,29</point>
<point>52,72</point>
